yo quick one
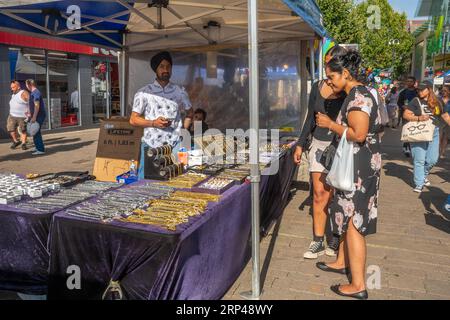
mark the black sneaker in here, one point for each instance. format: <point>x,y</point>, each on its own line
<point>24,147</point>
<point>316,249</point>
<point>15,144</point>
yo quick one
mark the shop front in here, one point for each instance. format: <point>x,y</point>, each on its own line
<point>80,84</point>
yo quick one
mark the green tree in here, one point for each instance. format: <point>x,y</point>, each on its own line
<point>379,46</point>
<point>347,22</point>
<point>337,19</point>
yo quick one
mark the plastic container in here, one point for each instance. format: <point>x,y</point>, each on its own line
<point>183,157</point>
<point>133,170</point>
<point>126,178</point>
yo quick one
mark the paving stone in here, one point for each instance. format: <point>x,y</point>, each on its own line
<point>438,287</point>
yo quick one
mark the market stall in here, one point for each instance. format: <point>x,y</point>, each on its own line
<point>201,259</point>
<point>158,26</point>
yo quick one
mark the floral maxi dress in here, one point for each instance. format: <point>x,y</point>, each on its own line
<point>361,204</point>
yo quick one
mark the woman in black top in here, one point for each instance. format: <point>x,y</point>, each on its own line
<point>315,140</point>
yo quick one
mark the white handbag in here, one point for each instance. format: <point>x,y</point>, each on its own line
<point>341,175</point>
<point>418,131</point>
<point>32,128</point>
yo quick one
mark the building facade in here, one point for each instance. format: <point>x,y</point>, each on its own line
<point>431,53</point>
<point>79,83</point>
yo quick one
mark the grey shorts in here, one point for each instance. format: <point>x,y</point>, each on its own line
<point>314,155</point>
<point>14,122</point>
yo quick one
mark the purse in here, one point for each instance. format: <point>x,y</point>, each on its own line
<point>328,154</point>
<point>418,131</point>
<point>341,175</point>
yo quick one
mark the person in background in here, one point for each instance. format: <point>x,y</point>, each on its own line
<point>161,104</point>
<point>322,99</point>
<point>38,114</point>
<point>18,109</point>
<point>425,154</point>
<point>74,101</point>
<point>406,96</point>
<point>445,132</point>
<point>392,107</point>
<point>354,214</point>
<point>199,116</point>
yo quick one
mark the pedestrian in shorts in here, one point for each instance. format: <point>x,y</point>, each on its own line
<point>18,109</point>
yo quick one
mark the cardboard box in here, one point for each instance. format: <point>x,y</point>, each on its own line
<point>107,169</point>
<point>118,143</point>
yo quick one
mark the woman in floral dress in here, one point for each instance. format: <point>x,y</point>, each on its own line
<point>354,214</point>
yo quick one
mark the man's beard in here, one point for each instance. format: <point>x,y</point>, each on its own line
<point>164,77</point>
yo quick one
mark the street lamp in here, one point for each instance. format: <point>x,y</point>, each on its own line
<point>393,43</point>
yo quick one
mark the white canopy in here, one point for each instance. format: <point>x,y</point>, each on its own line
<point>188,24</point>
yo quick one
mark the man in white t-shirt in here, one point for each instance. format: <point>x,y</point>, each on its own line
<point>18,109</point>
<point>161,104</point>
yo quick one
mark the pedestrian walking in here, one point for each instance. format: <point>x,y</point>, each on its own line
<point>445,132</point>
<point>425,153</point>
<point>392,107</point>
<point>38,115</point>
<point>18,109</point>
<point>406,96</point>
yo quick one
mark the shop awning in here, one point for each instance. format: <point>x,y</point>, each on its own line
<point>156,24</point>
<point>102,23</point>
<point>28,66</point>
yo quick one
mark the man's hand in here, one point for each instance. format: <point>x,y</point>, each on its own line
<point>160,123</point>
<point>33,120</point>
<point>298,155</point>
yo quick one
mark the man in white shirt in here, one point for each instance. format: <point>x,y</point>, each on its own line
<point>161,104</point>
<point>18,109</point>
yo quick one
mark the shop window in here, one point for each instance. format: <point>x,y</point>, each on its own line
<point>64,91</point>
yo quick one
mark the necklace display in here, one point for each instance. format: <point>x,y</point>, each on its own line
<point>173,210</point>
<point>215,183</point>
<point>187,180</point>
<point>119,203</point>
<point>66,197</point>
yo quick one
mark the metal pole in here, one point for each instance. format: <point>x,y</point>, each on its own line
<point>80,107</point>
<point>321,60</point>
<point>312,62</point>
<point>49,101</point>
<point>254,143</point>
<point>108,88</point>
<point>123,77</point>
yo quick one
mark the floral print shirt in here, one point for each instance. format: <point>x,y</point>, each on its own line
<point>154,101</point>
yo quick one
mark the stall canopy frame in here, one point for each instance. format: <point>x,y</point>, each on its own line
<point>126,26</point>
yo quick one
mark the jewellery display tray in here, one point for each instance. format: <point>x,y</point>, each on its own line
<point>197,188</point>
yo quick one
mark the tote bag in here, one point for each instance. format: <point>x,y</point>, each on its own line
<point>341,175</point>
<point>418,131</point>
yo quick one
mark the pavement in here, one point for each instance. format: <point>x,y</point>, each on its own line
<point>408,258</point>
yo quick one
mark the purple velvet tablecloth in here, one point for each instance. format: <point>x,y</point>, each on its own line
<point>201,260</point>
<point>24,255</point>
<point>23,250</point>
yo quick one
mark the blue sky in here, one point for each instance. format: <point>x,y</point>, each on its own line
<point>408,6</point>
